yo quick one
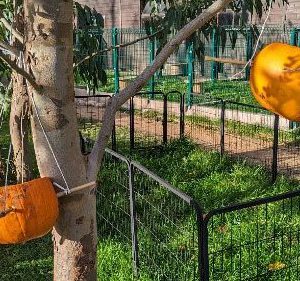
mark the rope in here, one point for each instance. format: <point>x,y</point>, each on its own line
<point>67,189</point>
<point>256,45</point>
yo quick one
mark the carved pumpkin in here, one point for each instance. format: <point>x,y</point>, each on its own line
<point>28,211</point>
<point>275,79</point>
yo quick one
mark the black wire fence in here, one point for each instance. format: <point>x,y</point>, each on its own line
<point>244,131</point>
<point>160,223</point>
<point>168,236</point>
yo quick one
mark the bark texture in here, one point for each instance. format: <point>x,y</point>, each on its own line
<point>2,169</point>
<point>19,128</point>
<point>19,123</point>
<point>49,56</point>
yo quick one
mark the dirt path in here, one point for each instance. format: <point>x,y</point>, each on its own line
<point>207,135</point>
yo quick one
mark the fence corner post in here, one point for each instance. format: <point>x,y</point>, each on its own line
<point>114,138</point>
<point>115,59</point>
<point>249,51</point>
<point>182,116</point>
<point>203,253</point>
<point>214,52</point>
<point>165,120</point>
<point>275,148</point>
<point>294,41</point>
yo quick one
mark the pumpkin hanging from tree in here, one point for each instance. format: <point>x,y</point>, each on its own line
<point>27,211</point>
<point>275,79</point>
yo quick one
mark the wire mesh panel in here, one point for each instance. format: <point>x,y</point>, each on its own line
<point>289,150</point>
<point>249,133</point>
<point>123,125</point>
<point>148,119</point>
<point>134,58</point>
<point>167,229</point>
<point>275,33</point>
<point>202,123</point>
<point>255,241</point>
<point>90,110</point>
<point>175,110</point>
<point>114,220</point>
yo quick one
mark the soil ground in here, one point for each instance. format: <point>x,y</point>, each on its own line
<point>149,126</point>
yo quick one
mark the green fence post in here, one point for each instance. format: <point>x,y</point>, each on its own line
<point>190,82</point>
<point>214,52</point>
<point>293,41</point>
<point>115,59</point>
<point>151,59</point>
<point>249,51</point>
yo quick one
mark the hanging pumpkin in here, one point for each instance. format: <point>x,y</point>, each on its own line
<point>275,79</point>
<point>27,211</point>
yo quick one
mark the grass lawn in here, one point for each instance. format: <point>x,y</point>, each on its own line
<point>238,91</point>
<point>213,181</point>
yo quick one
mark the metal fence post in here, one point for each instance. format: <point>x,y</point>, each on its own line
<point>222,127</point>
<point>190,82</point>
<point>165,120</point>
<point>214,52</point>
<point>114,138</point>
<point>131,125</point>
<point>275,148</point>
<point>182,115</point>
<point>204,253</point>
<point>151,59</point>
<point>133,218</point>
<point>115,58</point>
<point>249,51</point>
<point>202,236</point>
<point>294,41</point>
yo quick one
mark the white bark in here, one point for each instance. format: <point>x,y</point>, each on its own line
<point>49,55</point>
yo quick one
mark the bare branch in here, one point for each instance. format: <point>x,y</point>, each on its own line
<point>95,158</point>
<point>9,27</point>
<point>11,49</point>
<point>98,53</point>
<point>20,71</point>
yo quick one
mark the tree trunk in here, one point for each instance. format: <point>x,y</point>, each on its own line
<point>19,114</point>
<point>49,56</point>
<point>19,128</point>
<point>2,169</point>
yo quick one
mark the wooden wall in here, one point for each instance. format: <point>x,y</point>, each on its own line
<point>127,13</point>
<point>117,13</point>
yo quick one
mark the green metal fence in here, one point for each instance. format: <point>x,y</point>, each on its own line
<point>183,70</point>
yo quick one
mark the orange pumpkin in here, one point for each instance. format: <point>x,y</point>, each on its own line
<point>275,79</point>
<point>29,211</point>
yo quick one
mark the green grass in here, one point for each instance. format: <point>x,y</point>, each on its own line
<point>212,180</point>
<point>238,91</point>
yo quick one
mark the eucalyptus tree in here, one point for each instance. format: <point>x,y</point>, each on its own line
<point>47,49</point>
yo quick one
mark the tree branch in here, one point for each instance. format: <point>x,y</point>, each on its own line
<point>115,47</point>
<point>9,27</point>
<point>20,71</point>
<point>11,49</point>
<point>95,158</point>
